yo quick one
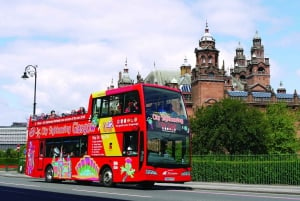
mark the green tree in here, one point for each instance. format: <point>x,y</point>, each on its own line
<point>229,126</point>
<point>282,121</point>
<point>11,153</point>
<point>2,154</point>
<point>8,153</point>
<point>22,148</point>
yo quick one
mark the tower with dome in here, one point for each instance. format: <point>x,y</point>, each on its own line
<point>207,82</point>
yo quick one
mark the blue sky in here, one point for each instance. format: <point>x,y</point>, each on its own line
<point>80,46</point>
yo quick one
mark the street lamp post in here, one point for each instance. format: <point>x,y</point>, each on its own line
<point>30,70</point>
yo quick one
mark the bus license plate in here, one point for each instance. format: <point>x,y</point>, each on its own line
<point>169,179</point>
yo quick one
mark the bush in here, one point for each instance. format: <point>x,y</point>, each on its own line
<point>260,169</point>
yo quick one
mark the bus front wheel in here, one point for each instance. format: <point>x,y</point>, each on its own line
<point>49,174</point>
<point>107,177</point>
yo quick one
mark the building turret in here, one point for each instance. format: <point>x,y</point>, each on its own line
<point>258,68</point>
<point>281,89</point>
<point>207,79</point>
<point>124,79</point>
<point>185,68</point>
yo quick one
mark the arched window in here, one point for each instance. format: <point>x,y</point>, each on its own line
<point>242,77</point>
<point>261,70</point>
<point>203,59</point>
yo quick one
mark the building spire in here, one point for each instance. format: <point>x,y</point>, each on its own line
<point>112,83</point>
<point>206,36</point>
<point>124,78</point>
<point>126,68</point>
<point>256,36</point>
<point>206,27</point>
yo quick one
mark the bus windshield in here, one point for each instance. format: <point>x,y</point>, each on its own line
<point>167,128</point>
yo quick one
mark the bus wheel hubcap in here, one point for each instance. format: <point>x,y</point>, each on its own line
<point>49,174</point>
<point>107,177</point>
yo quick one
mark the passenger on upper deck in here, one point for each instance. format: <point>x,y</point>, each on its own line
<point>52,114</point>
<point>132,106</point>
<point>42,116</point>
<point>81,110</point>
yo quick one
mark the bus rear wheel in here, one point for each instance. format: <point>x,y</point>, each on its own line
<point>49,174</point>
<point>107,177</point>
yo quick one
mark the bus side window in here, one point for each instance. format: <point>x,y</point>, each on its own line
<point>96,107</point>
<point>83,147</point>
<point>105,107</point>
<point>131,102</point>
<point>115,105</point>
<point>42,148</point>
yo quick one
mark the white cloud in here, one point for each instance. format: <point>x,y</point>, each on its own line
<point>233,17</point>
<point>79,46</point>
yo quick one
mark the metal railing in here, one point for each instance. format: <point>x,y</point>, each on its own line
<point>249,169</point>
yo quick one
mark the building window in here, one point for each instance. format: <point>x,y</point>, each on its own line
<point>262,99</point>
<point>211,75</point>
<point>210,60</point>
<point>285,100</point>
<point>242,98</point>
<point>261,70</point>
<point>203,59</point>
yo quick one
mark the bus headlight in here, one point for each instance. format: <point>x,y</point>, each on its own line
<point>151,172</point>
<point>186,173</point>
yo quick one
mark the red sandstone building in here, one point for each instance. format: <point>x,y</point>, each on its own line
<point>207,82</point>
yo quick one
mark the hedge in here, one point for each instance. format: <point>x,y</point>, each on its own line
<point>12,163</point>
<point>259,169</point>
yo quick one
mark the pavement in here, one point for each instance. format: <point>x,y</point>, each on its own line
<point>279,189</point>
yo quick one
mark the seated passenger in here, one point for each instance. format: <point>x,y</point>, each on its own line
<point>119,108</point>
<point>129,107</point>
<point>43,116</point>
<point>132,107</point>
<point>52,114</point>
<point>135,107</point>
<point>81,110</point>
<point>170,111</point>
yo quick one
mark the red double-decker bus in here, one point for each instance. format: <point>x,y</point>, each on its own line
<point>133,134</point>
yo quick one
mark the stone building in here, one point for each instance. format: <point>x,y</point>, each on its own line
<point>208,80</point>
<point>208,83</point>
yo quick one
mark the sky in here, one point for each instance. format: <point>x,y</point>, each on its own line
<point>80,46</point>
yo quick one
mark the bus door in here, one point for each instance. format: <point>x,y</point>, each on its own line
<point>141,149</point>
<point>130,144</point>
<point>41,155</point>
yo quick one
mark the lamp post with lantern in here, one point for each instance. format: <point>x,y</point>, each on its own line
<point>31,71</point>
